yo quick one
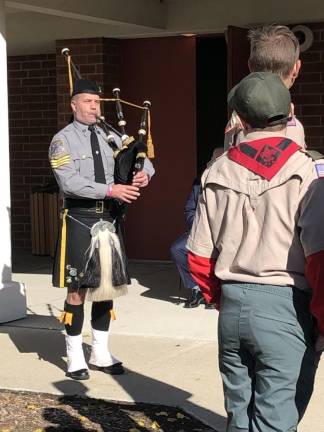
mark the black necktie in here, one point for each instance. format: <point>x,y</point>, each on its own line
<point>97,159</point>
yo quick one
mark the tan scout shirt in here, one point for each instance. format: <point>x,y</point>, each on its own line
<point>252,225</point>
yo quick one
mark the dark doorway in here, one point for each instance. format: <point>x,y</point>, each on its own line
<point>211,96</point>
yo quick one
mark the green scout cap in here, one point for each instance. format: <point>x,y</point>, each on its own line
<point>85,86</point>
<point>261,99</point>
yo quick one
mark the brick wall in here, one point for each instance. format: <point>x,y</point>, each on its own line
<point>308,91</point>
<point>32,123</point>
<point>98,59</point>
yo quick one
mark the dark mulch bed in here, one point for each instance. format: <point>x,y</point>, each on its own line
<point>37,412</point>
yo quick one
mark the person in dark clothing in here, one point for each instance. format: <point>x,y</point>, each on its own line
<point>179,251</point>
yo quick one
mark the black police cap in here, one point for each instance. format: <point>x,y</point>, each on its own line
<point>85,86</point>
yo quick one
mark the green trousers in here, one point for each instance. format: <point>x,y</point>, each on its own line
<point>266,356</point>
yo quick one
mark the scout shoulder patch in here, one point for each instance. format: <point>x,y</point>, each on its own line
<point>265,156</point>
<point>58,154</point>
<point>319,170</point>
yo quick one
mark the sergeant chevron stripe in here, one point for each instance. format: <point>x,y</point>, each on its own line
<point>56,163</point>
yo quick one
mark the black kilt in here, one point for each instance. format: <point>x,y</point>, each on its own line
<point>73,241</point>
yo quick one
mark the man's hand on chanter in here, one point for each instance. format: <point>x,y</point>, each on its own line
<point>126,193</point>
<point>140,179</point>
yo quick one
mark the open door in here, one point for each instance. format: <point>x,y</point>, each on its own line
<point>162,70</point>
<point>238,51</point>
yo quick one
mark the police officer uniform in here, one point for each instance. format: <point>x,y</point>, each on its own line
<point>89,243</point>
<point>254,250</point>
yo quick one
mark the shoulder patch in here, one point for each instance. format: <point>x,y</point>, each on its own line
<point>319,170</point>
<point>57,149</point>
<point>58,153</point>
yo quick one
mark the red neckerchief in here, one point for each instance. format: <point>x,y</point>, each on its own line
<point>264,156</point>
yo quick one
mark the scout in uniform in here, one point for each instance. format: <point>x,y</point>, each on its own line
<point>273,48</point>
<point>89,259</point>
<point>257,250</point>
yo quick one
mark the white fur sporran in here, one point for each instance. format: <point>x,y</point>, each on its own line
<point>104,238</point>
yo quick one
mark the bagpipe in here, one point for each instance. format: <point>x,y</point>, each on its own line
<point>130,157</point>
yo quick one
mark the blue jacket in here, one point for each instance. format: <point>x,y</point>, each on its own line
<point>191,204</point>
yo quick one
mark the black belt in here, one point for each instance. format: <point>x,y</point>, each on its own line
<point>97,206</point>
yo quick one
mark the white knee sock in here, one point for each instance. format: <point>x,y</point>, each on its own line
<point>100,355</point>
<point>75,355</point>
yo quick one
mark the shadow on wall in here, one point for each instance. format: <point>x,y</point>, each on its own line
<point>5,274</point>
<point>12,298</point>
<point>12,294</point>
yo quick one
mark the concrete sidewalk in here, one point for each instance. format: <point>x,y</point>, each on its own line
<point>170,353</point>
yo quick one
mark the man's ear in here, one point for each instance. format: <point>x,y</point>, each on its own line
<point>296,69</point>
<point>249,66</point>
<point>290,79</point>
<point>73,105</point>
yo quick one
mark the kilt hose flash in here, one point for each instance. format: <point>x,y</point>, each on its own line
<point>90,253</point>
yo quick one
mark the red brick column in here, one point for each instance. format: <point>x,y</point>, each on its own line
<point>32,123</point>
<point>98,59</point>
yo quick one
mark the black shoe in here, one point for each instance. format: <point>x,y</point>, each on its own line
<point>115,369</point>
<point>194,300</point>
<point>79,375</point>
<point>210,306</point>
